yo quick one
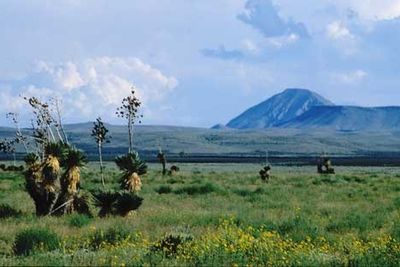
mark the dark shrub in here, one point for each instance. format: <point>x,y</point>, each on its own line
<point>164,189</point>
<point>198,189</point>
<point>7,211</point>
<point>82,205</point>
<point>31,240</point>
<point>127,202</point>
<point>105,201</point>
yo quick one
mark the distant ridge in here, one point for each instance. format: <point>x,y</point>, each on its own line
<point>278,109</point>
<point>347,118</point>
<point>304,109</point>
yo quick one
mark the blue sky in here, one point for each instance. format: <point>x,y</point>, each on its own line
<point>195,62</point>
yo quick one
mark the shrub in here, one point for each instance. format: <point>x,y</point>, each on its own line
<point>198,189</point>
<point>127,202</point>
<point>105,201</point>
<point>7,211</point>
<point>79,220</point>
<point>111,236</point>
<point>171,243</point>
<point>33,239</point>
<point>164,189</point>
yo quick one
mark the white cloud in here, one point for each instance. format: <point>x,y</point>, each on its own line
<point>374,9</point>
<point>91,87</point>
<point>352,77</point>
<point>337,30</point>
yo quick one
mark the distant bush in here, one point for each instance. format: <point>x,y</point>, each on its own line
<point>12,168</point>
<point>31,240</point>
<point>198,189</point>
<point>79,220</point>
<point>164,189</point>
<point>247,192</point>
<point>175,181</point>
<point>7,211</point>
<point>111,236</point>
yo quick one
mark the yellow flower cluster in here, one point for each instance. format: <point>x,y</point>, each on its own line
<point>229,244</point>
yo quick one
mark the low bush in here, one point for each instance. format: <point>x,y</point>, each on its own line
<point>127,202</point>
<point>31,240</point>
<point>111,236</point>
<point>198,189</point>
<point>7,211</point>
<point>79,220</point>
<point>171,243</point>
<point>164,189</point>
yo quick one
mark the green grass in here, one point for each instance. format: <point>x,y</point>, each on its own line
<point>297,204</point>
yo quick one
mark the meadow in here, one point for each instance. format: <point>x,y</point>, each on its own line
<point>217,215</point>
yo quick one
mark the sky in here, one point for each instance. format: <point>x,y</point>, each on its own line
<point>195,62</point>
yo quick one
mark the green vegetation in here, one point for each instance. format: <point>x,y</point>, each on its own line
<point>216,215</point>
<point>35,240</point>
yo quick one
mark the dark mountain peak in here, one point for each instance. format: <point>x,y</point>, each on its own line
<point>279,108</point>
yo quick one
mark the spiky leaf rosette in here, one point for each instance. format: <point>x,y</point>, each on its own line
<point>105,201</point>
<point>31,159</point>
<point>74,158</point>
<point>72,161</point>
<point>55,149</point>
<point>131,163</point>
<point>126,203</point>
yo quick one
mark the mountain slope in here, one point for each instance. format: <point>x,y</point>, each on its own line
<point>278,109</point>
<point>347,118</point>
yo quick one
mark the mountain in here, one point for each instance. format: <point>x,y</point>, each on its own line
<point>278,109</point>
<point>347,118</point>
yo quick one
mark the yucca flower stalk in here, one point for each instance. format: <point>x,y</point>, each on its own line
<point>101,136</point>
<point>129,110</point>
<point>132,167</point>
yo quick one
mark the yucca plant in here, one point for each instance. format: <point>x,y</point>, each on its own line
<point>126,203</point>
<point>73,160</point>
<point>132,167</point>
<point>43,179</point>
<point>105,200</point>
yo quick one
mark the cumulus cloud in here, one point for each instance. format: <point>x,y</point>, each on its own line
<point>337,30</point>
<point>373,9</point>
<point>90,87</point>
<point>263,16</point>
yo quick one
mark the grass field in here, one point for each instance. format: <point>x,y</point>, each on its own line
<point>210,214</point>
